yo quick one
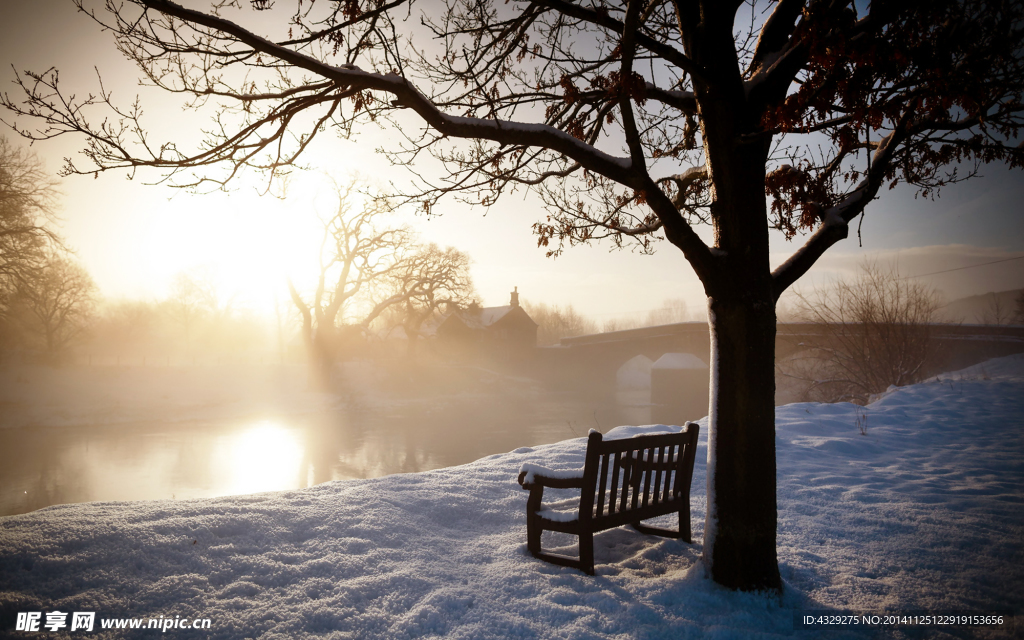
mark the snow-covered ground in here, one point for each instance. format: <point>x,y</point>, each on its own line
<point>913,503</point>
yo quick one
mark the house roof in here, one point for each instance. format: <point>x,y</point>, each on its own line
<point>429,327</point>
<point>487,315</point>
<point>481,318</point>
<point>477,319</point>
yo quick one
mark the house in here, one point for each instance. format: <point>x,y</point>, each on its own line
<point>502,333</point>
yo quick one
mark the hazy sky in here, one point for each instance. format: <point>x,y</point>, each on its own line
<point>133,237</point>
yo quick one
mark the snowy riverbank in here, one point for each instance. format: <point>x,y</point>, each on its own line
<point>913,503</point>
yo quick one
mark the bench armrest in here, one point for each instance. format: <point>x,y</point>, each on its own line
<point>531,475</point>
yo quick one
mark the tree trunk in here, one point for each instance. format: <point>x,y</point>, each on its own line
<point>739,538</point>
<point>321,354</point>
<point>412,336</point>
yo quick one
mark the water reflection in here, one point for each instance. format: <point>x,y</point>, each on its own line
<point>264,457</point>
<point>41,467</point>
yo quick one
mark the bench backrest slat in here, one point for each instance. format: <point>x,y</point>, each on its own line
<point>603,475</point>
<point>643,474</point>
<point>627,480</point>
<point>645,459</point>
<point>659,480</point>
<point>613,495</point>
<point>666,488</point>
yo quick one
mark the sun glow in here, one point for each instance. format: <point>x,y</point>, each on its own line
<point>265,457</point>
<point>246,244</point>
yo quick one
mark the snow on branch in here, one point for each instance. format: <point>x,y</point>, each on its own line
<point>685,101</point>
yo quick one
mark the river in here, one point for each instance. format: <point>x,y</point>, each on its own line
<point>43,466</point>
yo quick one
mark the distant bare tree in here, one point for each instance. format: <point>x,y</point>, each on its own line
<point>555,323</point>
<point>191,322</point>
<point>357,253</point>
<point>619,324</point>
<point>673,310</point>
<point>27,199</point>
<point>54,304</point>
<point>996,311</point>
<point>431,279</point>
<point>128,327</point>
<point>877,333</point>
<point>192,298</point>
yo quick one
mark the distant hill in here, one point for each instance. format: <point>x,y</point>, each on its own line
<point>982,309</point>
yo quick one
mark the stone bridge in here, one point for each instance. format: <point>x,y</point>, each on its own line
<point>592,361</point>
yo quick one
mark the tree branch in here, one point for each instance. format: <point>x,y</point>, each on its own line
<point>350,78</point>
<point>628,46</point>
<point>835,220</point>
<point>668,52</point>
<point>685,101</point>
<point>775,34</point>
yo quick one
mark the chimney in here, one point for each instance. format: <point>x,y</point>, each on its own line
<point>515,297</point>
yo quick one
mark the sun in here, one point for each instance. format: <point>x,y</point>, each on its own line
<point>245,244</point>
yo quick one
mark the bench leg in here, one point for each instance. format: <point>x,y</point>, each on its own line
<point>683,533</point>
<point>585,563</point>
<point>533,532</point>
<point>533,529</point>
<point>684,524</point>
<point>587,552</point>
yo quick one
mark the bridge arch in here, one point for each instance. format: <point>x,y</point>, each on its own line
<point>593,361</point>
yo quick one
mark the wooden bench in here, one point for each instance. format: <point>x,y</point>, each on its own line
<point>622,482</point>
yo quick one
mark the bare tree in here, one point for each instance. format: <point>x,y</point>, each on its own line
<point>996,311</point>
<point>356,254</point>
<point>55,304</point>
<point>130,328</point>
<point>27,198</point>
<point>633,120</point>
<point>191,322</point>
<point>429,280</point>
<point>192,299</point>
<point>877,332</point>
<point>673,310</point>
<point>555,323</point>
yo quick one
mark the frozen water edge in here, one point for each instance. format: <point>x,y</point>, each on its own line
<point>922,513</point>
